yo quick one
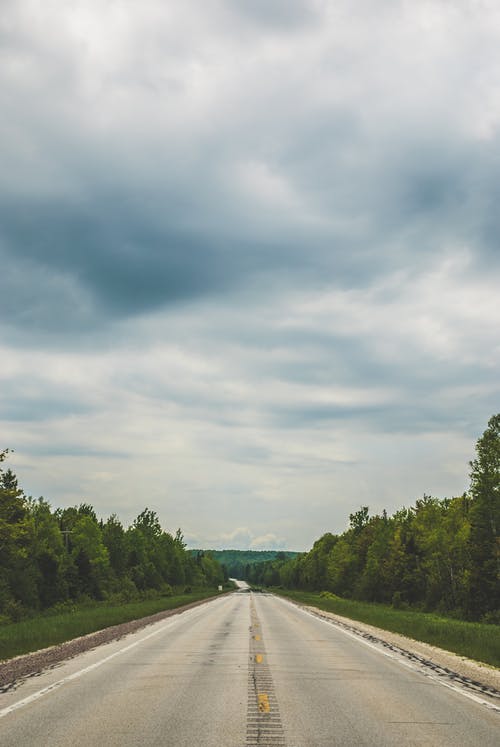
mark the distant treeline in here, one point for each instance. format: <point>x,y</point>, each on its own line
<point>48,557</point>
<point>438,555</point>
<point>237,563</point>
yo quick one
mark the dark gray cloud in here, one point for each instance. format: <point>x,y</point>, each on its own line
<point>150,219</point>
<point>29,409</point>
<point>29,396</point>
<point>124,264</point>
<point>281,15</point>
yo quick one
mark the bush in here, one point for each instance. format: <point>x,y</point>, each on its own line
<point>15,611</point>
<point>61,608</point>
<point>127,590</point>
<point>329,595</point>
<point>398,603</point>
<point>85,600</point>
<point>166,590</point>
<point>491,618</point>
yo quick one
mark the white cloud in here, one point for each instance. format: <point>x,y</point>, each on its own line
<point>268,542</point>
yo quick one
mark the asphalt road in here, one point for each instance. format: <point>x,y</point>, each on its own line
<point>242,670</point>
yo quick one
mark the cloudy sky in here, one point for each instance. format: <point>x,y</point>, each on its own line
<point>249,257</point>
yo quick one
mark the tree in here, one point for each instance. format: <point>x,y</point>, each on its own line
<point>484,542</point>
<point>90,556</point>
<point>3,456</point>
<point>113,536</point>
<point>374,583</point>
<point>17,573</point>
<point>148,523</point>
<point>359,519</point>
<point>49,553</point>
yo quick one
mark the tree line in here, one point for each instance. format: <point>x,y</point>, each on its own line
<point>438,555</point>
<point>48,556</point>
<point>237,563</point>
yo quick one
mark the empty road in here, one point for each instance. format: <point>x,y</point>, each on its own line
<point>244,669</point>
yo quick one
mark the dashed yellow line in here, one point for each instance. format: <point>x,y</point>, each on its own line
<point>263,701</point>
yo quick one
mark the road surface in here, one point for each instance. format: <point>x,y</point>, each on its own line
<point>240,671</point>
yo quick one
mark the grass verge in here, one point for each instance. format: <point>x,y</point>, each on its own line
<point>49,629</point>
<point>476,641</point>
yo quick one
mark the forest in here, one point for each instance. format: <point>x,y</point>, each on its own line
<point>51,557</point>
<point>439,555</point>
<point>237,562</point>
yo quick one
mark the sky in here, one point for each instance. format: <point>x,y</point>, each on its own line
<point>249,257</point>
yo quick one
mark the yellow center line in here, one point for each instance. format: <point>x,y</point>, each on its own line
<point>263,701</point>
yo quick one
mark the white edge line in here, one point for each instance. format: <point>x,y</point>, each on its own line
<point>56,685</point>
<point>396,657</point>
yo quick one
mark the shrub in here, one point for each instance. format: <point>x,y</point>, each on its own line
<point>398,603</point>
<point>492,618</point>
<point>15,611</point>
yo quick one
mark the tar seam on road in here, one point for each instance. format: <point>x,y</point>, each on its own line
<point>264,727</point>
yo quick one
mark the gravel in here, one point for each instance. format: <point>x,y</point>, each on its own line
<point>29,665</point>
<point>471,674</point>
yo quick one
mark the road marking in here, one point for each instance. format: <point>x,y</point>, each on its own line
<point>263,700</point>
<point>76,675</point>
<point>395,657</point>
<point>264,727</point>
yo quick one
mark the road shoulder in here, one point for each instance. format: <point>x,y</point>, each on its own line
<point>482,676</point>
<point>29,665</point>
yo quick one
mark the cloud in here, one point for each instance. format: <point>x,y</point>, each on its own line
<point>268,542</point>
<point>132,193</point>
<point>238,539</point>
<point>282,16</point>
<point>241,538</point>
<point>248,256</point>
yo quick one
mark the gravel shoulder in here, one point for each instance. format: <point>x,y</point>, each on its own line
<point>29,665</point>
<point>482,676</point>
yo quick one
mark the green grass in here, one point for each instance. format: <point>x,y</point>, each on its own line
<point>48,629</point>
<point>476,641</point>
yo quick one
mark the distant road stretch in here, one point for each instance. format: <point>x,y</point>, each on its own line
<point>240,671</point>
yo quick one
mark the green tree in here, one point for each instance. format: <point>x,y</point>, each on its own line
<point>113,536</point>
<point>49,554</point>
<point>374,582</point>
<point>17,571</point>
<point>484,542</point>
<point>90,556</point>
<point>151,551</point>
